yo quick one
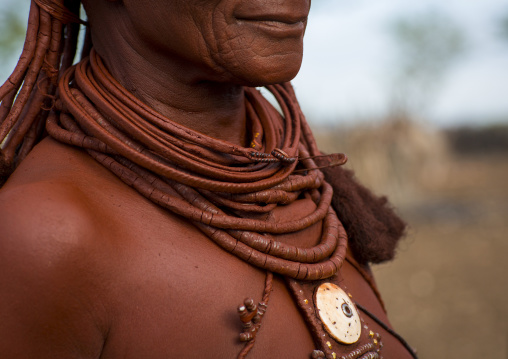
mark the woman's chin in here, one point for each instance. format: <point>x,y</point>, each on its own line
<point>268,71</point>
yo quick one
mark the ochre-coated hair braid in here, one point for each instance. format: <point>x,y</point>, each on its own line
<point>28,94</point>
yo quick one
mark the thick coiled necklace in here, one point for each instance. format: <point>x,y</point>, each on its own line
<point>218,186</point>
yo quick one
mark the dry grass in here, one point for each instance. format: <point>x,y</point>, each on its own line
<point>447,290</point>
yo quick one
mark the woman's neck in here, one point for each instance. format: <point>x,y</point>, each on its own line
<point>179,92</point>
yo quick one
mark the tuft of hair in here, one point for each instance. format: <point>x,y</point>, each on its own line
<point>373,228</point>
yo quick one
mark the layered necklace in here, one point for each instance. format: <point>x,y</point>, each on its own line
<point>214,184</point>
<point>221,188</point>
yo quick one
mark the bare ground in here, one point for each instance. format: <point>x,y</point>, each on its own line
<point>447,290</point>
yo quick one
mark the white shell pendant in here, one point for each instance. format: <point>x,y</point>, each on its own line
<point>338,314</point>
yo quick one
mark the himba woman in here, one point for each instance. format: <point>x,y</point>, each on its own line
<point>150,189</point>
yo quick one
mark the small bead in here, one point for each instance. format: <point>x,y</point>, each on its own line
<point>371,334</point>
<point>329,345</point>
<point>249,304</point>
<point>306,301</point>
<point>246,337</point>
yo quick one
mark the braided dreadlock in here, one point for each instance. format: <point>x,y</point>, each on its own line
<point>28,94</point>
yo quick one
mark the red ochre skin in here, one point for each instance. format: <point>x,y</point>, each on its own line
<point>91,269</point>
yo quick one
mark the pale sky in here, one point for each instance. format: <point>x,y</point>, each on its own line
<point>348,59</point>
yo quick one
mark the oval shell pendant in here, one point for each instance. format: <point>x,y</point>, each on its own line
<point>338,313</point>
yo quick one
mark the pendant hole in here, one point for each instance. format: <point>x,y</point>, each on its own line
<point>346,309</point>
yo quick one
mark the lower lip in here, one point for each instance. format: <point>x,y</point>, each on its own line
<point>276,28</point>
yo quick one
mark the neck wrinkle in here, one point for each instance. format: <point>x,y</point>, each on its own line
<point>179,92</point>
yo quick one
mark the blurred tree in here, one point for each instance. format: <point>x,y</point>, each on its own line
<point>503,25</point>
<point>12,33</point>
<point>426,45</point>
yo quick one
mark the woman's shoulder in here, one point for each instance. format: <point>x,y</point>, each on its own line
<point>43,214</point>
<point>42,200</point>
<point>47,255</point>
<point>47,218</point>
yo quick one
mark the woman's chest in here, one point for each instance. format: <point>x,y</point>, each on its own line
<point>174,304</point>
<point>175,293</point>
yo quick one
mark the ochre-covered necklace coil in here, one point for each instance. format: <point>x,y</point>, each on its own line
<point>215,184</point>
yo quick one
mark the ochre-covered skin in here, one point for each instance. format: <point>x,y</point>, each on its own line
<point>91,269</point>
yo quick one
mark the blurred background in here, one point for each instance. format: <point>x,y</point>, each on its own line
<point>416,94</point>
